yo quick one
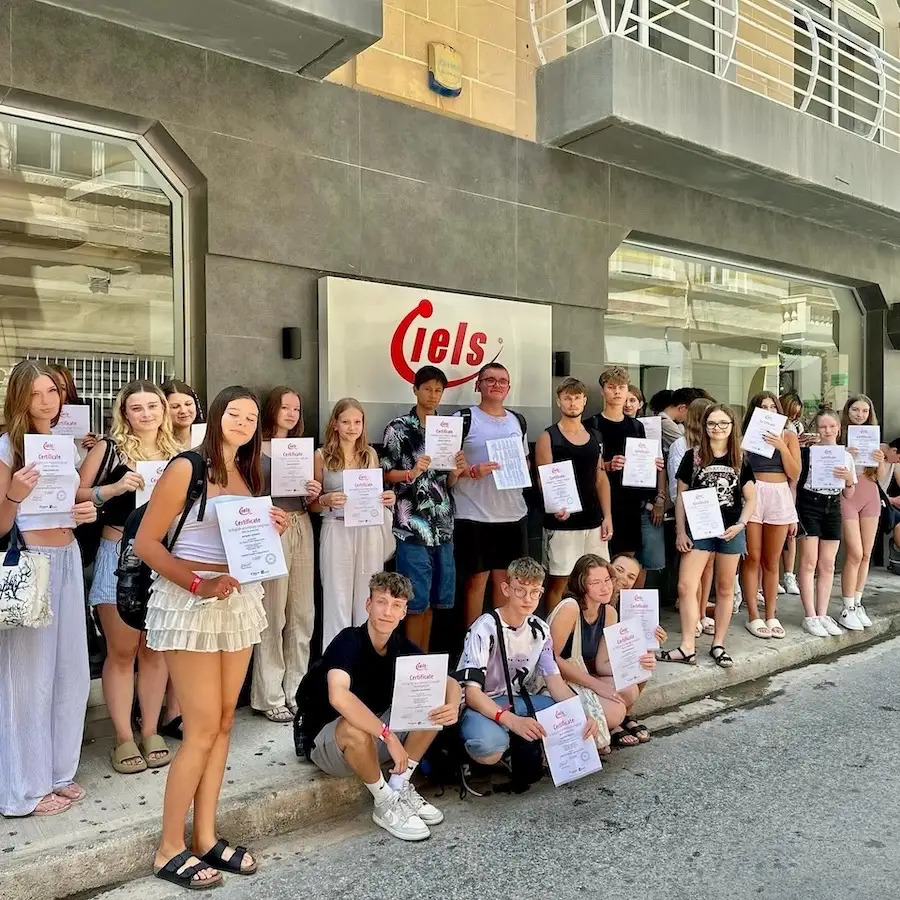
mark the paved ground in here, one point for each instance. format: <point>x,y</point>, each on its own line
<point>796,795</point>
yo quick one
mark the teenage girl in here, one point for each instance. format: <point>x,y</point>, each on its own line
<point>44,673</point>
<point>634,401</point>
<point>792,407</point>
<point>774,519</point>
<point>206,622</point>
<point>282,658</point>
<point>141,432</point>
<point>68,393</point>
<point>348,556</point>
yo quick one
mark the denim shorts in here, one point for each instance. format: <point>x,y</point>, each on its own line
<point>483,737</point>
<point>652,554</point>
<point>737,545</point>
<point>432,571</point>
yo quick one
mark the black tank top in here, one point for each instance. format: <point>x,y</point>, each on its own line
<point>591,635</point>
<point>585,459</point>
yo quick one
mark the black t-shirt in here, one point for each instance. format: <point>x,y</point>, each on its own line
<point>371,675</point>
<point>719,474</point>
<point>626,501</point>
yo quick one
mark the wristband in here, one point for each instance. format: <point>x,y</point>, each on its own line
<point>385,733</point>
<point>17,502</point>
<point>409,476</point>
<point>473,473</point>
<point>98,500</point>
<point>499,713</point>
<point>195,584</point>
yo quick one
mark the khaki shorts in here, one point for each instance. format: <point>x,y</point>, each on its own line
<point>562,549</point>
<point>327,756</point>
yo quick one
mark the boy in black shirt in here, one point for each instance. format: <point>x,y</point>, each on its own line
<point>347,697</point>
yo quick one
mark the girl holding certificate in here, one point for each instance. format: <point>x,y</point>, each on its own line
<point>718,463</point>
<point>141,432</point>
<point>184,407</point>
<point>44,673</point>
<point>207,622</point>
<point>861,514</point>
<point>68,394</point>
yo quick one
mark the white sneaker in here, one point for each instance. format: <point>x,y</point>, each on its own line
<point>850,620</point>
<point>830,626</point>
<point>738,597</point>
<point>414,801</point>
<point>812,625</point>
<point>760,598</point>
<point>396,818</point>
<point>781,589</point>
<point>790,584</point>
<point>864,620</point>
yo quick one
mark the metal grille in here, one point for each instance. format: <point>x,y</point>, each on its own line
<point>99,378</point>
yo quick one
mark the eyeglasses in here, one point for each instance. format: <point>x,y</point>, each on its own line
<point>718,426</point>
<point>495,382</point>
<point>534,593</point>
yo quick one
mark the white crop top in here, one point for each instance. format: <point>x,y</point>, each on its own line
<point>202,541</point>
<point>35,521</point>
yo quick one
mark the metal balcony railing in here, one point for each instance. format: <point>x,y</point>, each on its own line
<point>778,48</point>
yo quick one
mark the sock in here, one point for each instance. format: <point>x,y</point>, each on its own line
<point>858,598</point>
<point>380,791</point>
<point>396,782</point>
<point>849,602</point>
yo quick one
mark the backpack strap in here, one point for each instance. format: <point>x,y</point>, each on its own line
<point>523,424</point>
<point>197,490</point>
<point>466,415</point>
<point>501,641</point>
<point>106,463</point>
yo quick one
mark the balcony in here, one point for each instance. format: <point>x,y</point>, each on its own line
<point>788,105</point>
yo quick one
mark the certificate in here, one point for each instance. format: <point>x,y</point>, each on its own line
<point>151,473</point>
<point>363,488</point>
<point>252,545</point>
<point>822,463</point>
<point>704,515</point>
<point>559,488</point>
<point>55,459</point>
<point>626,644</point>
<point>653,429</point>
<point>420,685</point>
<point>643,606</point>
<point>865,439</point>
<point>443,440</point>
<point>198,433</point>
<point>762,422</point>
<point>513,471</point>
<point>74,419</point>
<point>569,755</point>
<point>292,466</point>
<point>640,462</point>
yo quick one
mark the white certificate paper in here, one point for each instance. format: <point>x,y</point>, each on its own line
<point>653,429</point>
<point>420,685</point>
<point>822,463</point>
<point>292,466</point>
<point>704,515</point>
<point>151,472</point>
<point>198,433</point>
<point>513,471</point>
<point>643,606</point>
<point>569,755</point>
<point>363,488</point>
<point>443,440</point>
<point>640,462</point>
<point>74,419</point>
<point>55,458</point>
<point>626,644</point>
<point>252,545</point>
<point>559,487</point>
<point>762,422</point>
<point>866,439</point>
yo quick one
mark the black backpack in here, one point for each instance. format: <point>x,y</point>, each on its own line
<point>133,575</point>
<point>88,535</point>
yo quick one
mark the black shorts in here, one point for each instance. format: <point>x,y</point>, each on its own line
<point>484,546</point>
<point>819,515</point>
<point>626,536</point>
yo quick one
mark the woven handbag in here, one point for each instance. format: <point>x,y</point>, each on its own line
<point>24,586</point>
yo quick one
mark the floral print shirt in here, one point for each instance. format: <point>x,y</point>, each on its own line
<point>424,510</point>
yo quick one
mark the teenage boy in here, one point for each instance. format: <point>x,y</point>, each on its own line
<point>674,414</point>
<point>614,428</point>
<point>569,535</point>
<point>491,525</point>
<point>490,714</point>
<point>347,698</point>
<point>423,514</point>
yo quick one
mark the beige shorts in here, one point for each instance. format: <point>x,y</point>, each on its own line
<point>327,756</point>
<point>562,549</point>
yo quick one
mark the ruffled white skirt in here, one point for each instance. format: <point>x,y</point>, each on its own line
<point>179,620</point>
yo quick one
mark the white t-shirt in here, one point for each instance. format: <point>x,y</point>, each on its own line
<point>888,478</point>
<point>830,492</point>
<point>478,500</point>
<point>677,449</point>
<point>34,521</point>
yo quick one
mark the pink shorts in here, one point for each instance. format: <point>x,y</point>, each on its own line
<point>865,502</point>
<point>774,504</point>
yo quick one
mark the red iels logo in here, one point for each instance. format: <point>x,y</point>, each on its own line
<point>462,348</point>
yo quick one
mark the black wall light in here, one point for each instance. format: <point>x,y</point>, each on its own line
<point>290,343</point>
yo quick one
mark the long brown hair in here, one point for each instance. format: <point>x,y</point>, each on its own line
<point>17,405</point>
<point>734,452</point>
<point>65,382</point>
<point>122,433</point>
<point>247,459</point>
<point>272,407</point>
<point>871,472</point>
<point>332,457</point>
<point>693,422</point>
<point>577,586</point>
<point>756,403</point>
<point>174,386</point>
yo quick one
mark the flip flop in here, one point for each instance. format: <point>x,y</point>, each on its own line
<point>128,750</point>
<point>52,805</point>
<point>155,744</point>
<point>775,628</point>
<point>758,628</point>
<point>73,792</point>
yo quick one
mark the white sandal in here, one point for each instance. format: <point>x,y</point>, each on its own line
<point>775,628</point>
<point>758,628</point>
<point>708,625</point>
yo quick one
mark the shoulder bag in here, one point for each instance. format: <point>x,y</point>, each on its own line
<point>24,586</point>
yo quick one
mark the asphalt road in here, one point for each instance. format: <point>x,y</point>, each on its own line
<point>796,795</point>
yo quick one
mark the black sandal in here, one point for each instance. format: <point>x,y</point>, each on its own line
<point>635,729</point>
<point>186,878</point>
<point>721,658</point>
<point>172,729</point>
<point>668,656</point>
<point>214,858</point>
<point>617,738</point>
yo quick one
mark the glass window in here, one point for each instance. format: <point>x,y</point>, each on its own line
<point>677,321</point>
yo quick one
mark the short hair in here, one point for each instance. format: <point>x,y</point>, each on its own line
<point>526,570</point>
<point>699,394</point>
<point>895,444</point>
<point>571,386</point>
<point>683,397</point>
<point>614,375</point>
<point>660,400</point>
<point>490,365</point>
<point>429,373</point>
<point>392,583</point>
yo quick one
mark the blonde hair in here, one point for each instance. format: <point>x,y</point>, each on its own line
<point>17,405</point>
<point>122,434</point>
<point>526,571</point>
<point>332,456</point>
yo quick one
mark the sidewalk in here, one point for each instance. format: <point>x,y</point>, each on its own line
<point>110,837</point>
